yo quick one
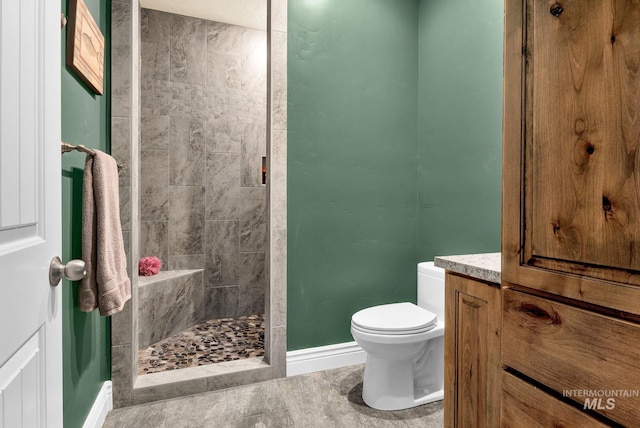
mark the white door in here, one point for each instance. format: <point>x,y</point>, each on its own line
<point>30,203</point>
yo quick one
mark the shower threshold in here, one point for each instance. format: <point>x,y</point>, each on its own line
<point>210,342</point>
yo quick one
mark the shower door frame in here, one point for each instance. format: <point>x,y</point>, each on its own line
<point>128,389</point>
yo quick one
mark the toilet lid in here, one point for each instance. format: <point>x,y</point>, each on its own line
<point>395,318</point>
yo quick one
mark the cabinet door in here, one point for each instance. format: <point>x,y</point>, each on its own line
<point>472,353</point>
<point>571,155</point>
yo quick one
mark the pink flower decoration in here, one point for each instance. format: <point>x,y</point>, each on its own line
<point>149,266</point>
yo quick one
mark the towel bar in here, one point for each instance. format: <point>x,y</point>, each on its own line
<point>66,147</point>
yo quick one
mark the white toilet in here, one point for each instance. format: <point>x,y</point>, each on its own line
<point>405,346</point>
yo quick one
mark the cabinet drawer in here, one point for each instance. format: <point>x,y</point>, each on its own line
<point>524,405</point>
<point>573,351</point>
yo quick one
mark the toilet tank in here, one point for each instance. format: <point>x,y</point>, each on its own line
<point>431,289</point>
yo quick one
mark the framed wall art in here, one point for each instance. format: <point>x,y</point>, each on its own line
<point>85,46</point>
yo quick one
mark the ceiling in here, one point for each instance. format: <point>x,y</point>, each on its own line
<point>246,13</point>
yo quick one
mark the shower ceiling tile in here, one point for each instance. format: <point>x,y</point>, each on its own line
<point>246,13</point>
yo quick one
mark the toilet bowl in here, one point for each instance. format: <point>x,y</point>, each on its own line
<point>404,344</point>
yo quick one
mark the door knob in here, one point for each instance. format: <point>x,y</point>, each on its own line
<point>74,270</point>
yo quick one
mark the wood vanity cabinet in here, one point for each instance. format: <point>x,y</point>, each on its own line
<point>571,211</point>
<point>472,352</point>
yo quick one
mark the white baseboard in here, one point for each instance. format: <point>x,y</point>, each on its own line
<point>100,408</point>
<point>324,358</point>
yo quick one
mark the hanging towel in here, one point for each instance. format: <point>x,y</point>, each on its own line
<point>106,285</point>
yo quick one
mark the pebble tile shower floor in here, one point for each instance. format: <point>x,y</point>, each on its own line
<point>213,341</point>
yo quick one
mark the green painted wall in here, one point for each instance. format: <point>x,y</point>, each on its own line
<point>394,142</point>
<point>460,127</point>
<point>352,125</point>
<point>86,337</point>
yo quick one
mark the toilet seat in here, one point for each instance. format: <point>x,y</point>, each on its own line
<point>394,319</point>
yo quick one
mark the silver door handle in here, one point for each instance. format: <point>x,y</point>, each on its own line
<point>74,270</point>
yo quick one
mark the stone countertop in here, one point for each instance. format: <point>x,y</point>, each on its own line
<point>485,267</point>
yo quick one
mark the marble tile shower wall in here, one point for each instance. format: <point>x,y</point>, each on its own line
<point>203,135</point>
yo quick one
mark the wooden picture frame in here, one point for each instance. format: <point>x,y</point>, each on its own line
<point>85,46</point>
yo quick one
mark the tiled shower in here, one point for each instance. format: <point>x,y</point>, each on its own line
<point>127,51</point>
<point>202,196</point>
<point>203,138</point>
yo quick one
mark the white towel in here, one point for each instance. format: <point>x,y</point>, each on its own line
<point>106,285</point>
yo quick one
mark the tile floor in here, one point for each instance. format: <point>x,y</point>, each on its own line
<point>328,399</point>
<point>213,341</point>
